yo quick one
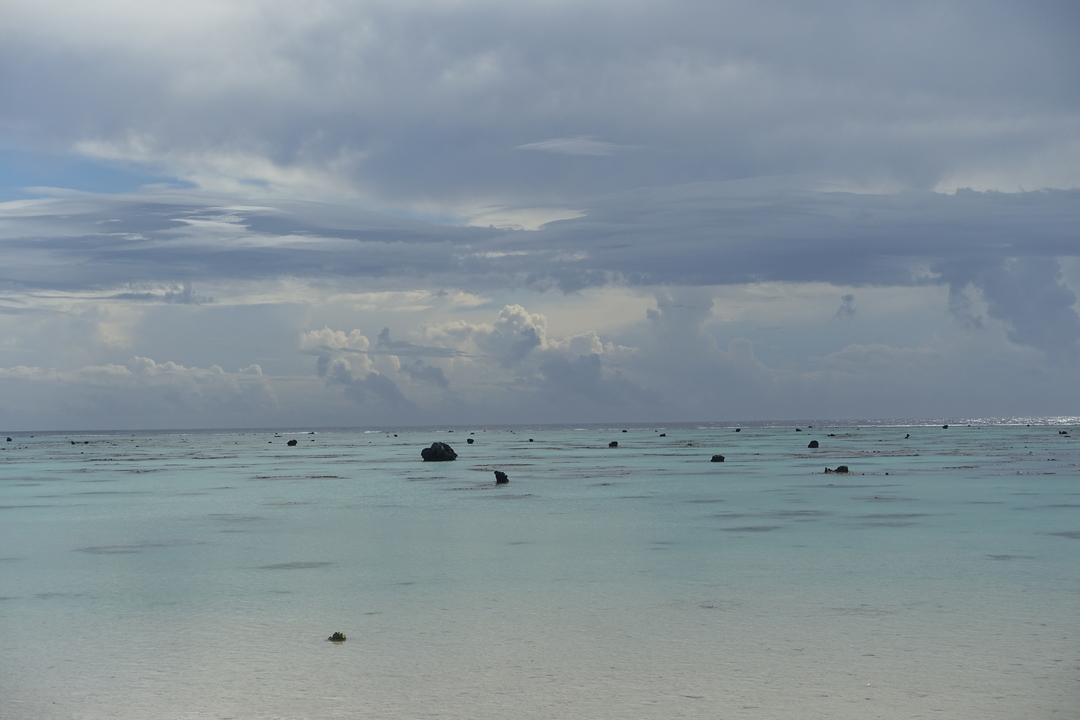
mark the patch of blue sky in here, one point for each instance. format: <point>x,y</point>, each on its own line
<point>27,174</point>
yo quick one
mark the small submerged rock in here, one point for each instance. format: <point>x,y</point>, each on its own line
<point>337,638</point>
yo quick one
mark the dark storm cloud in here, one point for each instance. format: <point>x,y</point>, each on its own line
<point>695,235</point>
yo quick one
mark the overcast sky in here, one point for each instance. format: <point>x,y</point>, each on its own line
<point>245,213</point>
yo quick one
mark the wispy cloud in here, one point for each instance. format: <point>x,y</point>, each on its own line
<point>577,145</point>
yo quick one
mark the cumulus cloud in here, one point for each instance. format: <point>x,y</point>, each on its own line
<point>515,333</point>
<point>418,370</point>
<point>364,387</point>
<point>140,393</point>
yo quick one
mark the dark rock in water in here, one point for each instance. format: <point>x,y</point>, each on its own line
<point>832,434</point>
<point>9,439</point>
<point>500,478</point>
<point>530,439</point>
<point>469,440</point>
<point>738,429</point>
<point>438,452</point>
<point>291,443</point>
<point>624,430</point>
<point>1062,432</point>
<point>907,436</point>
<point>798,429</point>
<point>337,637</point>
<point>842,469</point>
<point>813,444</point>
<point>717,458</point>
<point>613,443</point>
<point>663,434</point>
<point>944,427</point>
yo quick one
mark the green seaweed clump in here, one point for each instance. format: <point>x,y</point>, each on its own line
<point>337,637</point>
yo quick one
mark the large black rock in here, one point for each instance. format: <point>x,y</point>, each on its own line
<point>438,452</point>
<point>500,478</point>
<point>813,444</point>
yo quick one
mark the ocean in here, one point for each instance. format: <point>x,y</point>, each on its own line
<point>199,574</point>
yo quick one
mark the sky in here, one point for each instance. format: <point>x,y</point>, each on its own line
<point>258,213</point>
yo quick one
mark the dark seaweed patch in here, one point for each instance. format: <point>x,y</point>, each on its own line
<point>891,516</point>
<point>1071,534</point>
<point>752,528</point>
<point>885,523</point>
<point>846,486</point>
<point>134,548</point>
<point>299,565</point>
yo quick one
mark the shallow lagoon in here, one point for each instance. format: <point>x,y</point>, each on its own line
<point>198,575</point>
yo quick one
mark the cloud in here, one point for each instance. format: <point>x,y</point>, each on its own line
<point>142,393</point>
<point>473,176</point>
<point>1027,293</point>
<point>335,102</point>
<point>846,311</point>
<point>426,373</point>
<point>186,295</point>
<point>365,388</point>
<point>510,339</point>
<point>578,145</point>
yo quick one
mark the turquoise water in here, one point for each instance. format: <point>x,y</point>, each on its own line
<point>172,575</point>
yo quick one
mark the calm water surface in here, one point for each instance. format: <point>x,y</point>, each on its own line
<point>172,575</point>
